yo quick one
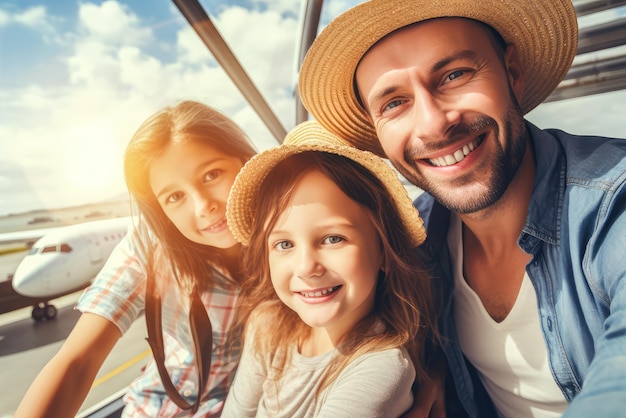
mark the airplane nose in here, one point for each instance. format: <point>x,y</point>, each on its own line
<point>31,278</point>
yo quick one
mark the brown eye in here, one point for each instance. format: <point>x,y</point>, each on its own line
<point>212,175</point>
<point>174,197</point>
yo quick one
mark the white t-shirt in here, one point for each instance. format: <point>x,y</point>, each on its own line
<point>373,385</point>
<point>511,355</point>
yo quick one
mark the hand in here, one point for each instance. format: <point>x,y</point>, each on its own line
<point>429,400</point>
<point>429,394</point>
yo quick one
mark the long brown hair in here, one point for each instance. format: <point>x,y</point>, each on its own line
<point>404,298</point>
<point>186,121</point>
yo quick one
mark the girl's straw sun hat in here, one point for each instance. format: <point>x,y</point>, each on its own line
<point>311,136</point>
<point>544,31</point>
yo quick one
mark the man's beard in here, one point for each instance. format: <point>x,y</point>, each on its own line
<point>508,157</point>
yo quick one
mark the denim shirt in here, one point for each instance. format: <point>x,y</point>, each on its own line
<point>575,231</point>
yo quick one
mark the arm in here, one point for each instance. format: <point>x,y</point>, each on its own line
<point>373,385</point>
<point>117,292</point>
<point>62,385</point>
<point>603,391</point>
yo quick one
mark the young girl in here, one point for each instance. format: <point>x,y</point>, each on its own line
<point>180,263</point>
<point>340,314</point>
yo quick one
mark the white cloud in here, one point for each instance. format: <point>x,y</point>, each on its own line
<point>5,18</point>
<point>34,17</point>
<point>191,49</point>
<point>268,59</point>
<point>112,22</point>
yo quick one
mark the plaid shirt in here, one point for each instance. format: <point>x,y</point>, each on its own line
<point>118,294</point>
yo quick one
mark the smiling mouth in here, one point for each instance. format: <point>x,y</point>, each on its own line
<point>458,155</point>
<point>320,293</point>
<point>216,226</point>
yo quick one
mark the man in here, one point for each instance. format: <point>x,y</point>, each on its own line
<point>533,254</point>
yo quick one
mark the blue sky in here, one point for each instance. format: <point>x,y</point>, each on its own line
<point>77,78</point>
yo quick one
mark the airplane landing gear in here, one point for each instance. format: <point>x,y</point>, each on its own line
<point>43,311</point>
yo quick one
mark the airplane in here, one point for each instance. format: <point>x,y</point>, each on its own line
<point>65,260</point>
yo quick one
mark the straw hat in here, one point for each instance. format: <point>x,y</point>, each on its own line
<point>545,32</point>
<point>311,136</point>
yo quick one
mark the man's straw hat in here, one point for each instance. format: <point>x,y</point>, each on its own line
<point>311,136</point>
<point>545,32</point>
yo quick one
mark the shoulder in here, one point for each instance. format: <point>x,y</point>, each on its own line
<point>375,384</point>
<point>593,158</point>
<point>387,365</point>
<point>263,313</point>
<point>261,318</point>
<point>118,291</point>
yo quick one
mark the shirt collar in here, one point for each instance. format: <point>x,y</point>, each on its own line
<point>544,211</point>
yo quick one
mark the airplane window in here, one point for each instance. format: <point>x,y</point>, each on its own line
<point>34,250</point>
<point>49,249</point>
<point>65,248</point>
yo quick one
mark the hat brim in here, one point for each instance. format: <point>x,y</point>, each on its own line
<point>310,136</point>
<point>544,31</point>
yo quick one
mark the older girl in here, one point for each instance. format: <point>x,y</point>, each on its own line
<point>180,263</point>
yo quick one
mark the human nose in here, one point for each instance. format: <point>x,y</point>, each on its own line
<point>204,204</point>
<point>433,117</point>
<point>308,264</point>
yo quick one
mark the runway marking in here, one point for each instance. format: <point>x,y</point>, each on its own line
<point>121,368</point>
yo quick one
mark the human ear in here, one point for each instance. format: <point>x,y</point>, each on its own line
<point>514,71</point>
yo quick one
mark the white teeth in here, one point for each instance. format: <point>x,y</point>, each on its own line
<point>455,157</point>
<point>215,225</point>
<point>319,293</point>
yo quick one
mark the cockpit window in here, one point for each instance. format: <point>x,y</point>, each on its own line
<point>64,248</point>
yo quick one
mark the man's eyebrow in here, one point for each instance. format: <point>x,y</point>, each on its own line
<point>457,55</point>
<point>382,94</point>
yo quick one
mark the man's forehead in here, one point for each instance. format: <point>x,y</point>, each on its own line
<point>457,31</point>
<point>443,24</point>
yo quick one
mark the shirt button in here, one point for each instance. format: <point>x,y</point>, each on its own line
<point>187,393</point>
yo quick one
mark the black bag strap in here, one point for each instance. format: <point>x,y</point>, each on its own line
<point>201,332</point>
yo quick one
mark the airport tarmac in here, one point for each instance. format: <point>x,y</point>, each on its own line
<point>26,346</point>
